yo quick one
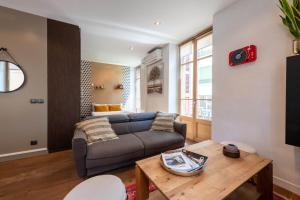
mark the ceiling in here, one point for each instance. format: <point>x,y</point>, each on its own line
<point>122,31</point>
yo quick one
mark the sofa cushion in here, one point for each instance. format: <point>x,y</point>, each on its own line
<point>121,128</point>
<point>97,129</point>
<point>163,122</point>
<point>127,147</point>
<point>158,141</point>
<point>118,118</point>
<point>140,126</point>
<point>141,116</point>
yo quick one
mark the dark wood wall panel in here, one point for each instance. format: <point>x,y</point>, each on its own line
<point>63,83</point>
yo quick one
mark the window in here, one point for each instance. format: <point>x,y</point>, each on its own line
<point>204,77</point>
<point>196,91</point>
<point>2,76</point>
<point>138,89</point>
<point>186,90</point>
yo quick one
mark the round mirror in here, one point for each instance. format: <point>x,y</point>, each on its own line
<point>12,77</point>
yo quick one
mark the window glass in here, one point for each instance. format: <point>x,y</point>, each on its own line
<point>204,78</point>
<point>186,53</point>
<point>203,82</point>
<point>204,46</point>
<point>187,81</point>
<point>2,76</point>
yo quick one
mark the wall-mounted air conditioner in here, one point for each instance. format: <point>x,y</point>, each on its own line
<point>153,57</point>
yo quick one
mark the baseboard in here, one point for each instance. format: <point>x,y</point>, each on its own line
<point>23,154</point>
<point>286,185</point>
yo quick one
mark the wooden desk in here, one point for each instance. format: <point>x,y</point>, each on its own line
<point>221,176</point>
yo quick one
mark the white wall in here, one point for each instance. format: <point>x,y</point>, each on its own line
<point>249,101</point>
<point>174,77</point>
<point>167,101</point>
<point>143,88</point>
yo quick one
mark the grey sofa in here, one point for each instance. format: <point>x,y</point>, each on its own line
<point>136,142</point>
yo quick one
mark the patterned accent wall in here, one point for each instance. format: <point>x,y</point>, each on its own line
<point>86,89</point>
<point>126,83</point>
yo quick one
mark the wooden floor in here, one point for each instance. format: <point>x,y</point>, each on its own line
<point>44,177</point>
<point>47,177</point>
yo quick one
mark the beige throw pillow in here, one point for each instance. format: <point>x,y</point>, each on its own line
<point>97,129</point>
<point>163,122</point>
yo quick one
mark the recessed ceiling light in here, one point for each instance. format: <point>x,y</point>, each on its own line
<point>131,48</point>
<point>157,23</point>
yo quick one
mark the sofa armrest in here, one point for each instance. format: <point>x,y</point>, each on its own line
<point>79,147</point>
<point>180,128</point>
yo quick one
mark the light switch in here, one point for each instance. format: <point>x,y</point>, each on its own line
<point>37,101</point>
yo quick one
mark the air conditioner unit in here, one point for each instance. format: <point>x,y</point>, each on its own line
<point>153,57</point>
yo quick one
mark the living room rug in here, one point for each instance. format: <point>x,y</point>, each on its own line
<point>131,192</point>
<point>277,197</point>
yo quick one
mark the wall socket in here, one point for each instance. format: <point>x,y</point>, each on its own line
<point>33,142</point>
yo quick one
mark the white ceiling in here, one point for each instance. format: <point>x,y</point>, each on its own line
<point>109,28</point>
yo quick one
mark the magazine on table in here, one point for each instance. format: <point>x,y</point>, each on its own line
<point>198,158</point>
<point>183,161</point>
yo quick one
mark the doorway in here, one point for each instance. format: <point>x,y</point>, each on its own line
<point>196,86</point>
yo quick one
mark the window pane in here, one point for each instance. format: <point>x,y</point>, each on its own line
<point>204,78</point>
<point>186,81</point>
<point>204,90</point>
<point>2,76</point>
<point>204,46</point>
<point>204,108</point>
<point>186,107</point>
<point>186,53</point>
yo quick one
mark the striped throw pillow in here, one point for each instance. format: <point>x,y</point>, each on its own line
<point>97,129</point>
<point>163,122</point>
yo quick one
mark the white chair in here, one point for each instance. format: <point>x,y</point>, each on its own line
<point>241,146</point>
<point>104,187</point>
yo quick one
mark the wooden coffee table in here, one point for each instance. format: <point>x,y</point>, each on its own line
<point>221,176</point>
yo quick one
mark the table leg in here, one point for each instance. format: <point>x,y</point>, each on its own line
<point>265,182</point>
<point>142,184</point>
